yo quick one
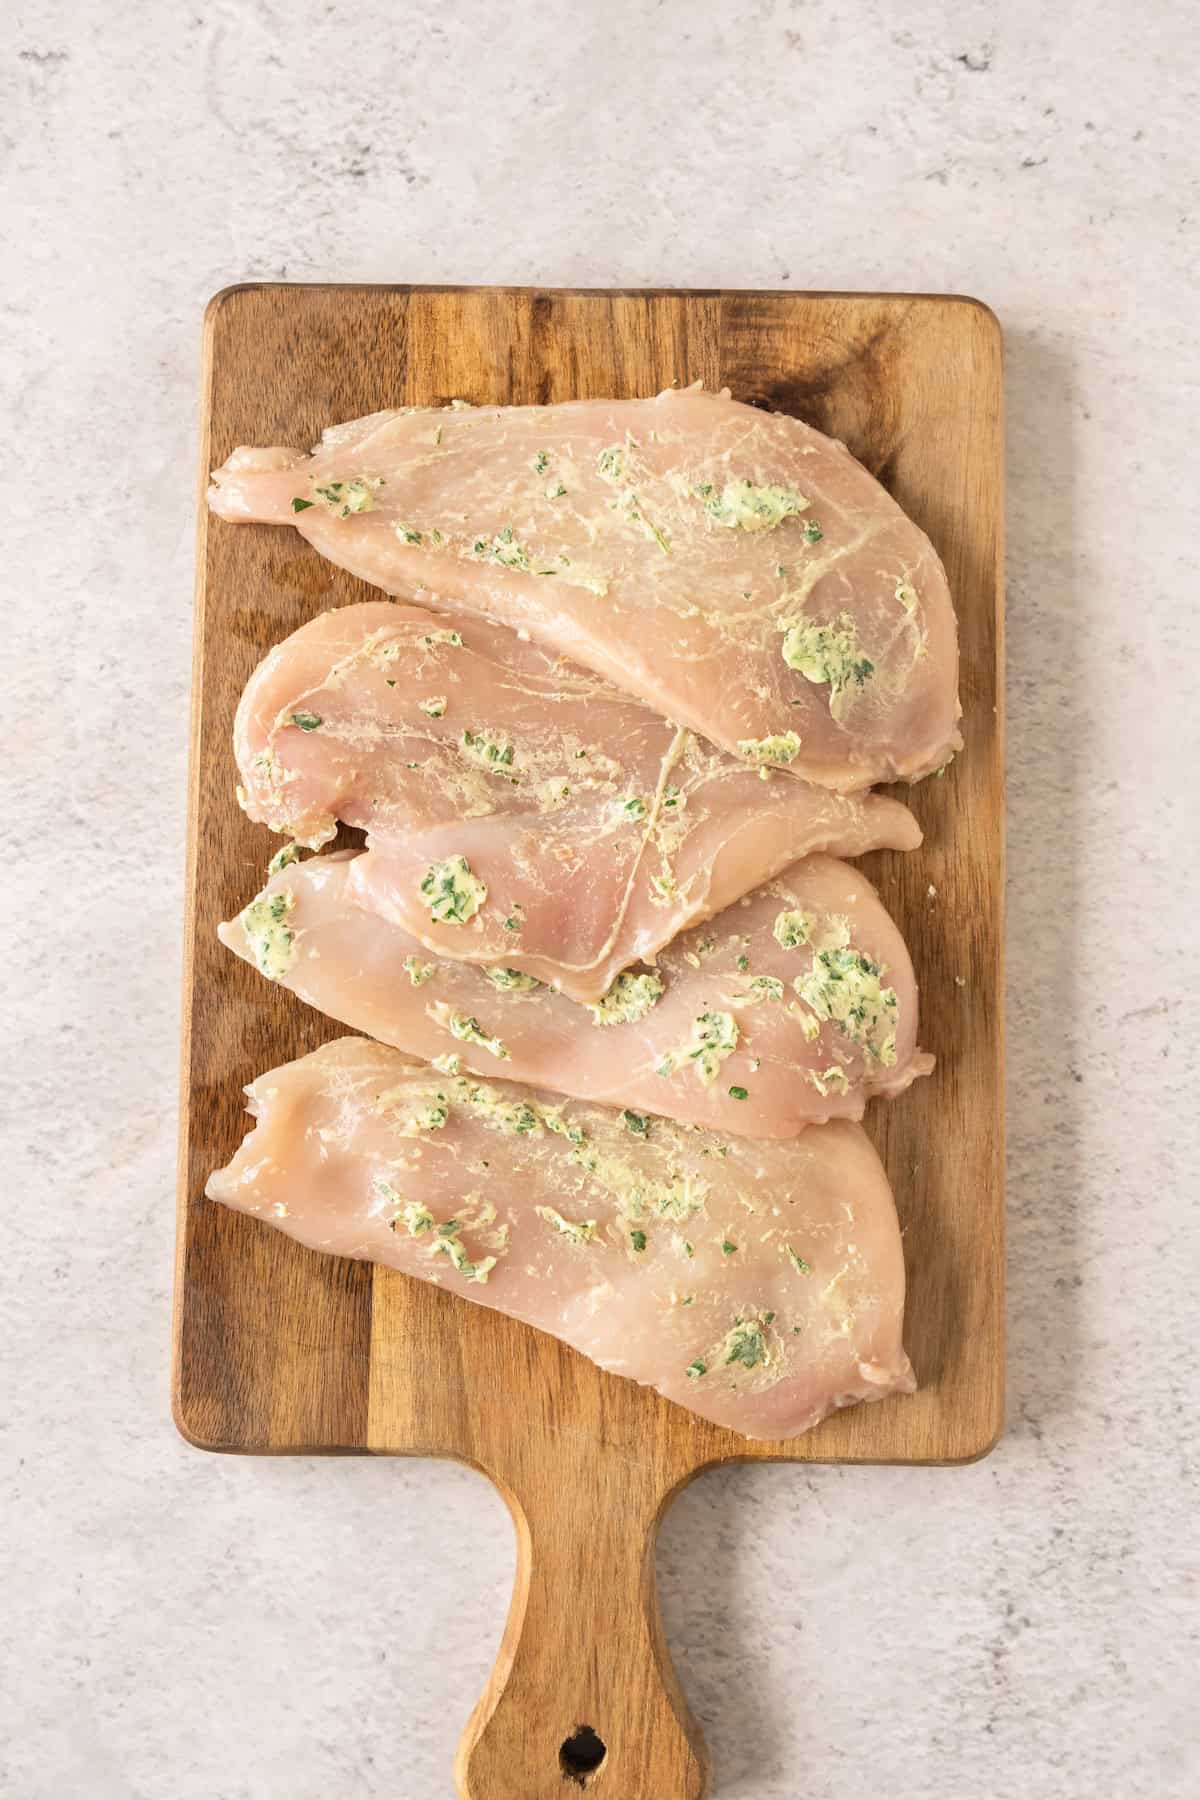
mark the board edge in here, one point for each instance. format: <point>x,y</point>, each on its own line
<point>191,1434</point>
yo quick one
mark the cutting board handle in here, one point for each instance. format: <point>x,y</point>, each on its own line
<point>583,1696</point>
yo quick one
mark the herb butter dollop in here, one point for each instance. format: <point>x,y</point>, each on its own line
<point>453,893</point>
<point>747,506</point>
<point>269,935</point>
<point>628,999</point>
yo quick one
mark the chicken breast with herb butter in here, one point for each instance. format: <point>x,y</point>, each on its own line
<point>759,1285</point>
<point>521,810</point>
<point>736,570</point>
<point>793,1006</point>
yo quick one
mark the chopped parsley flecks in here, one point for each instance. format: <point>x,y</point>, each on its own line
<point>346,497</point>
<point>283,859</point>
<point>783,747</point>
<point>753,508</point>
<point>306,721</point>
<point>798,1262</point>
<point>268,934</point>
<point>541,462</point>
<point>408,534</point>
<point>663,888</point>
<point>676,1198</point>
<point>834,1078</point>
<point>638,1123</point>
<point>633,807</point>
<point>470,1271</point>
<point>714,1037</point>
<point>512,981</point>
<point>420,1222</point>
<point>466,1029</point>
<point>746,1344</point>
<point>739,1093</point>
<point>435,706</point>
<point>628,999</point>
<point>452,893</point>
<point>453,638</point>
<point>271,771</point>
<point>487,751</point>
<point>638,1240</point>
<point>612,464</point>
<point>649,527</point>
<point>299,505</point>
<point>417,1218</point>
<point>728,1247</point>
<point>791,929</point>
<point>698,1368</point>
<point>418,972</point>
<point>846,987</point>
<point>828,653</point>
<point>516,1118</point>
<point>765,987</point>
<point>503,549</point>
<point>812,531</point>
<point>553,1120</point>
<point>576,1231</point>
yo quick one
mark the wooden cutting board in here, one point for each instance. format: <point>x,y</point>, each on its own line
<point>279,1349</point>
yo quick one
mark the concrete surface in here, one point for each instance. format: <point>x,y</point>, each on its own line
<point>176,1627</point>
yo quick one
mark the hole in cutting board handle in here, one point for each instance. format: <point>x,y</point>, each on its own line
<point>581,1754</point>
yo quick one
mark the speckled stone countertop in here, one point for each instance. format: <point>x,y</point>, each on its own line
<point>182,1627</point>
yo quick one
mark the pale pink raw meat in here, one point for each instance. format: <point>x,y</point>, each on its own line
<point>759,1285</point>
<point>792,1063</point>
<point>598,830</point>
<point>735,569</point>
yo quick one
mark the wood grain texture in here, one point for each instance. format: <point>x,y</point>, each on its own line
<point>279,1349</point>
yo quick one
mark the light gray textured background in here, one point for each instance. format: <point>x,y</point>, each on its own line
<point>181,1627</point>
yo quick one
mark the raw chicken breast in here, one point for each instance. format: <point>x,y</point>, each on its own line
<point>520,809</point>
<point>759,1285</point>
<point>735,569</point>
<point>791,1007</point>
